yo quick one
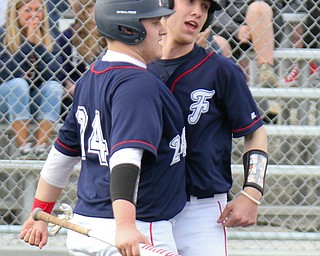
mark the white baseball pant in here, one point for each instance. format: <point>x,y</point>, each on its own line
<point>196,230</point>
<point>159,234</point>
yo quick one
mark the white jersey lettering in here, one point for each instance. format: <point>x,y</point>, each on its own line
<point>82,118</point>
<point>201,105</point>
<point>96,143</point>
<point>179,144</point>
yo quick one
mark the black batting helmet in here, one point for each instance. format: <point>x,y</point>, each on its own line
<point>114,15</point>
<point>214,6</point>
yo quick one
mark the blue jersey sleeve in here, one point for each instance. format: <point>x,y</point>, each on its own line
<point>68,141</point>
<point>136,114</point>
<point>241,108</point>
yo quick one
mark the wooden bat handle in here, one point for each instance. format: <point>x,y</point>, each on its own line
<point>146,250</point>
<point>39,214</point>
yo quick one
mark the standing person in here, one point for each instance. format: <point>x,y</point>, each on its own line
<point>128,130</point>
<point>217,104</point>
<point>80,45</point>
<point>28,68</point>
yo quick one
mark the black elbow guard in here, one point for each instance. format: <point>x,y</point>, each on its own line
<point>124,182</point>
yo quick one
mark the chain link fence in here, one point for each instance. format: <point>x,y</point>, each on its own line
<point>289,219</point>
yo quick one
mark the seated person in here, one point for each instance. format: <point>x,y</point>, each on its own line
<point>80,44</point>
<point>250,24</point>
<point>208,40</point>
<point>28,67</point>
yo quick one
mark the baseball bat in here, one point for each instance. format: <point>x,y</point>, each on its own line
<point>145,250</point>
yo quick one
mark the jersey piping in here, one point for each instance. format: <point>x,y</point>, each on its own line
<point>245,128</point>
<point>136,141</point>
<point>99,72</point>
<point>64,146</point>
<point>188,71</point>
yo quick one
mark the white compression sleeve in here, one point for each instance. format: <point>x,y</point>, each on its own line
<point>126,156</point>
<point>58,168</point>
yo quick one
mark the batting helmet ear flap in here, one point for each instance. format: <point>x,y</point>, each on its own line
<point>138,32</point>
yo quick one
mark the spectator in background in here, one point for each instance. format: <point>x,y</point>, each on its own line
<point>27,69</point>
<point>251,24</point>
<point>81,44</point>
<point>208,40</point>
<point>293,38</point>
<point>312,38</point>
<point>292,7</point>
<point>306,34</point>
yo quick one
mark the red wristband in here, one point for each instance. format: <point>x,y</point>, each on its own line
<point>45,206</point>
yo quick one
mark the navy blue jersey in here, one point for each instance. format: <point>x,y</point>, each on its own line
<point>119,105</point>
<point>217,104</point>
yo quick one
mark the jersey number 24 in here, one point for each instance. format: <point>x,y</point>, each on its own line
<point>96,143</point>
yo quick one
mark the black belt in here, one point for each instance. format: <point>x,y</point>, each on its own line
<point>199,197</point>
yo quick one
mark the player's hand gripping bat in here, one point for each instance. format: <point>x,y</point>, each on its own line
<point>145,250</point>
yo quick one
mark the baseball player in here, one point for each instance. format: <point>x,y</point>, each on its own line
<point>128,130</point>
<point>217,104</point>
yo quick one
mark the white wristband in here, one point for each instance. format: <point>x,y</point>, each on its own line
<point>250,197</point>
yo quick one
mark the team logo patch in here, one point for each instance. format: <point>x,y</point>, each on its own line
<point>200,105</point>
<point>253,115</point>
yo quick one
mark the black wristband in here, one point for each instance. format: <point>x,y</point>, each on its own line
<point>255,164</point>
<point>124,182</point>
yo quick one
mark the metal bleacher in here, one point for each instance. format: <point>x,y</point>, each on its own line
<point>302,120</point>
<point>297,126</point>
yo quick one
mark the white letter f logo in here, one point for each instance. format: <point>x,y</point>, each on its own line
<point>201,105</point>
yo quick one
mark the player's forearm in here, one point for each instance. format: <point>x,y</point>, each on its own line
<point>46,192</point>
<point>256,140</point>
<point>124,213</point>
